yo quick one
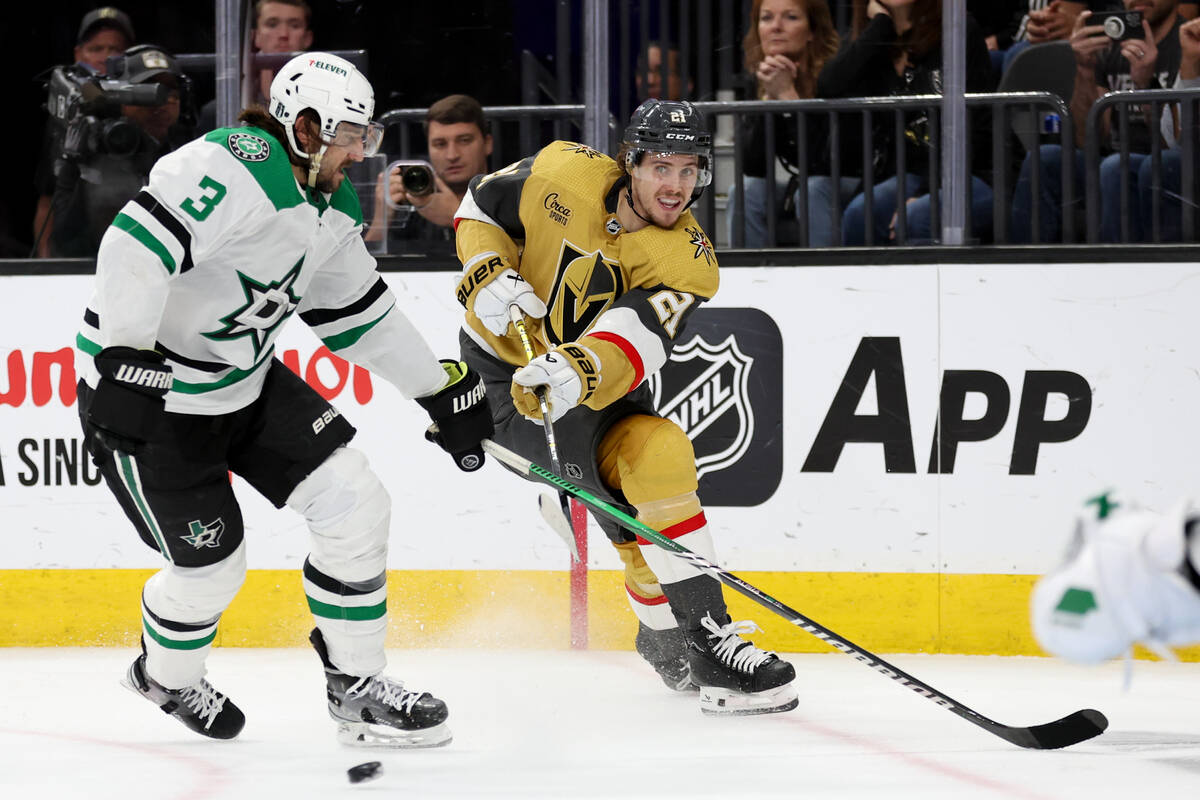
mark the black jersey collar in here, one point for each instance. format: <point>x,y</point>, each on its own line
<point>610,199</point>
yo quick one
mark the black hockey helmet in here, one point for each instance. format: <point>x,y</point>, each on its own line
<point>667,126</point>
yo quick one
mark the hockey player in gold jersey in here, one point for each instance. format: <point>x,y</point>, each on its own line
<point>606,263</point>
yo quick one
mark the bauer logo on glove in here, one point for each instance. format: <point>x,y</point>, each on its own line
<point>489,294</point>
<point>570,374</point>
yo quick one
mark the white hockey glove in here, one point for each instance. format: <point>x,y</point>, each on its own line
<point>570,373</point>
<point>506,289</point>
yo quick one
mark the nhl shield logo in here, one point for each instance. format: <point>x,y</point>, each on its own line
<point>706,392</point>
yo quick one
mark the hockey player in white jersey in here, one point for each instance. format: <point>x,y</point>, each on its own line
<point>235,233</point>
<point>1130,576</point>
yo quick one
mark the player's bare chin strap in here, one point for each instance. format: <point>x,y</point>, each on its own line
<point>632,207</point>
<point>314,166</point>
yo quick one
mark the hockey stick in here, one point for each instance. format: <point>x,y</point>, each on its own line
<point>518,321</point>
<point>1071,729</point>
<point>571,525</point>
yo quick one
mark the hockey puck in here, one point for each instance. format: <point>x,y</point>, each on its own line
<point>364,772</point>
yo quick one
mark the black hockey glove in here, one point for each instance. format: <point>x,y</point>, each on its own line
<point>461,417</point>
<point>128,400</point>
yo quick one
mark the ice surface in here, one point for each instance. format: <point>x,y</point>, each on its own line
<point>599,724</point>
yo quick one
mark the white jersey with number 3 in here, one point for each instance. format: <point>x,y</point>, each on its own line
<point>222,247</point>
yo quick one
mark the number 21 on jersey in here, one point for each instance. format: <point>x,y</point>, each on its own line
<point>670,307</point>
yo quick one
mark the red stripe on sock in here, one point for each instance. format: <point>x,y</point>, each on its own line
<point>643,600</point>
<point>635,358</point>
<point>680,528</point>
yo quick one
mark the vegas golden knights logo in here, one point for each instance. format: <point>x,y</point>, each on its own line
<point>585,286</point>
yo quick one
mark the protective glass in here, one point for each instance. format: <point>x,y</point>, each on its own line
<point>349,134</point>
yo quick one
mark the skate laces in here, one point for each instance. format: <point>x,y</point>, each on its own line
<point>205,701</point>
<point>731,648</point>
<point>386,691</point>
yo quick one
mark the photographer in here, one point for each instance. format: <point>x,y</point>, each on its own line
<point>103,32</point>
<point>1108,58</point>
<point>115,129</point>
<point>459,143</point>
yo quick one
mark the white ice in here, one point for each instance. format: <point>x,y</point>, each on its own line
<point>592,724</point>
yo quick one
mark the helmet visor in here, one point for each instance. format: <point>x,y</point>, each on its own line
<point>651,164</point>
<point>351,134</point>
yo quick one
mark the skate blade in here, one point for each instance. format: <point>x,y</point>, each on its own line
<point>728,703</point>
<point>362,734</point>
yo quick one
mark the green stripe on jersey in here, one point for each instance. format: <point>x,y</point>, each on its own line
<point>328,611</point>
<point>346,338</point>
<point>86,345</point>
<point>139,232</point>
<point>183,387</point>
<point>273,174</point>
<point>177,644</point>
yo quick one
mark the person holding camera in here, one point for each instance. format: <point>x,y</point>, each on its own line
<point>417,202</point>
<point>237,232</point>
<point>1120,50</point>
<point>103,32</point>
<point>110,143</point>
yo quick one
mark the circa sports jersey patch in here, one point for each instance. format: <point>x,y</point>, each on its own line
<point>249,147</point>
<point>703,245</point>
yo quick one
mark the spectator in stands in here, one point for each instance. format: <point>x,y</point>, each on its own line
<point>459,142</point>
<point>1045,21</point>
<point>1171,184</point>
<point>897,50</point>
<point>280,26</point>
<point>787,43</point>
<point>103,32</point>
<point>649,74</point>
<point>105,163</point>
<point>998,20</point>
<point>1103,65</point>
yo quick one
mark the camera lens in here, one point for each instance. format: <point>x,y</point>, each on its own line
<point>120,137</point>
<point>417,180</point>
<point>1114,27</point>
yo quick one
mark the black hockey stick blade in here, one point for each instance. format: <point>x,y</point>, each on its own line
<point>1069,730</point>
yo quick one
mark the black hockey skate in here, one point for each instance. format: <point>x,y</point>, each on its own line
<point>666,651</point>
<point>200,707</point>
<point>734,676</point>
<point>377,711</point>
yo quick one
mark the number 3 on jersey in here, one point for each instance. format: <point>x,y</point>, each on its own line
<point>214,192</point>
<point>670,307</point>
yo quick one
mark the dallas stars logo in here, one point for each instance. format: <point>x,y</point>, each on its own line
<point>703,246</point>
<point>205,534</point>
<point>249,147</point>
<point>267,306</point>
<point>574,147</point>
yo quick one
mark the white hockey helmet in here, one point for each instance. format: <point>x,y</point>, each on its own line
<point>334,89</point>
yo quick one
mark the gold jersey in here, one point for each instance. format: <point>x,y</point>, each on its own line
<point>552,219</point>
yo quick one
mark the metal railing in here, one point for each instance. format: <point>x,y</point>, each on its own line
<point>565,121</point>
<point>1122,105</point>
<point>773,113</point>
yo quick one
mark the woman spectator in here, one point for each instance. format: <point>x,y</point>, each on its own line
<point>787,43</point>
<point>897,50</point>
